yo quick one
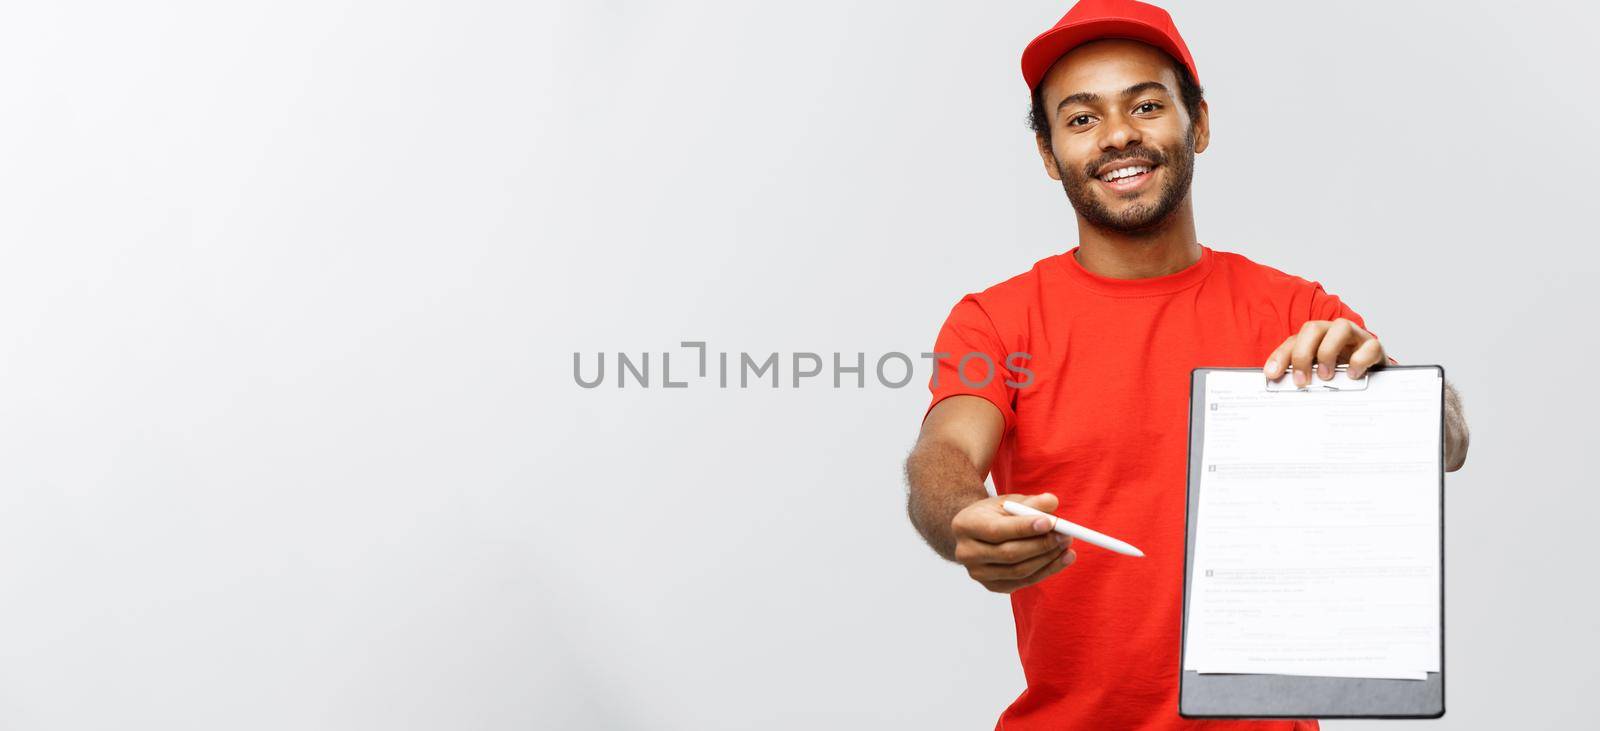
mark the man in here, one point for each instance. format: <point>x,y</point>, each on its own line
<point>1098,426</point>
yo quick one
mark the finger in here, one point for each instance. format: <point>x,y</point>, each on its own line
<point>975,553</point>
<point>1342,339</point>
<point>1369,354</point>
<point>1006,586</point>
<point>1014,552</point>
<point>1278,361</point>
<point>1338,339</point>
<point>1043,501</point>
<point>999,526</point>
<point>1013,572</point>
<point>1304,350</point>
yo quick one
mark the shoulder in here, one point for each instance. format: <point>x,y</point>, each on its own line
<point>1292,298</point>
<point>1018,291</point>
<point>1251,275</point>
<point>1007,307</point>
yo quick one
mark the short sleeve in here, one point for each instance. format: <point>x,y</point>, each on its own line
<point>1326,306</point>
<point>971,358</point>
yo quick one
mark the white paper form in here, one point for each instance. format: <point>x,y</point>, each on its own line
<point>1317,543</point>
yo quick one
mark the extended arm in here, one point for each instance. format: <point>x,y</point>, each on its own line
<point>945,470</point>
<point>949,506</point>
<point>1456,436</point>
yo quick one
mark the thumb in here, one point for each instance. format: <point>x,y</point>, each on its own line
<point>1043,501</point>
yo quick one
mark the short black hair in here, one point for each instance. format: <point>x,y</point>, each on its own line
<point>1189,92</point>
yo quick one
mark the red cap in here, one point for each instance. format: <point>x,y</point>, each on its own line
<point>1095,19</point>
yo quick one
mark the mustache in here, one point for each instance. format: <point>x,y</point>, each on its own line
<point>1152,154</point>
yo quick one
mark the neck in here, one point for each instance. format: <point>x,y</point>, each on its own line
<point>1166,249</point>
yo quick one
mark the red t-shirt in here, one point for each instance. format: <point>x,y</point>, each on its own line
<point>1103,424</point>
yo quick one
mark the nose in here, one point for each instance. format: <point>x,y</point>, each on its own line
<point>1117,133</point>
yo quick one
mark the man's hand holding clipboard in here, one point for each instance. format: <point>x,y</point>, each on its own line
<point>1325,344</point>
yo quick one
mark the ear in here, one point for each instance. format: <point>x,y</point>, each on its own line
<point>1048,156</point>
<point>1202,127</point>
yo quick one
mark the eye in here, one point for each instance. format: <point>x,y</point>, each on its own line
<point>1073,122</point>
<point>1147,106</point>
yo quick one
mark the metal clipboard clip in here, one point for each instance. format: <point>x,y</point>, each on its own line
<point>1341,381</point>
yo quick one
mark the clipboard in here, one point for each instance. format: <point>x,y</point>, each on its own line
<point>1241,695</point>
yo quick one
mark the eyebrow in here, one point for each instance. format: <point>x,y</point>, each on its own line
<point>1089,97</point>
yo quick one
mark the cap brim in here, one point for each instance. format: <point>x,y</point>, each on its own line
<point>1051,45</point>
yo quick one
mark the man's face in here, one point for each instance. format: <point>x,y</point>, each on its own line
<point>1113,105</point>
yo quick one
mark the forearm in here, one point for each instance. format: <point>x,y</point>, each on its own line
<point>942,481</point>
<point>1456,436</point>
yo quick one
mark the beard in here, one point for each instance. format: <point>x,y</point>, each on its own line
<point>1139,218</point>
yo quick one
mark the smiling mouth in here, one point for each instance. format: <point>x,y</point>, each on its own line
<point>1128,177</point>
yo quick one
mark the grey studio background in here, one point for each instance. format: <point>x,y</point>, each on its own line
<point>291,291</point>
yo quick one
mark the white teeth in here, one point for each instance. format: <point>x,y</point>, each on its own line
<point>1121,173</point>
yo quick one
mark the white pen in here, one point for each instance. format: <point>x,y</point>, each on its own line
<point>1061,525</point>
